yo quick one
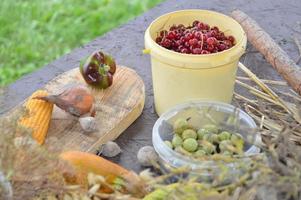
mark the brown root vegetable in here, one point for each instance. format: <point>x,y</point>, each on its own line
<point>272,52</point>
<point>77,101</point>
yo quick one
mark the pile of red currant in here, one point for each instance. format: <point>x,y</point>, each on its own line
<point>199,38</point>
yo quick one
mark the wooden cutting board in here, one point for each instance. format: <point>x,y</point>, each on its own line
<point>117,107</point>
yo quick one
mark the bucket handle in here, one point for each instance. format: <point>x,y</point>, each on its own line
<point>146,51</point>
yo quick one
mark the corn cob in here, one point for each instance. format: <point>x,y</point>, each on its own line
<point>39,116</point>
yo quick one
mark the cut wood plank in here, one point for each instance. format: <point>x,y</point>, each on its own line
<point>117,107</point>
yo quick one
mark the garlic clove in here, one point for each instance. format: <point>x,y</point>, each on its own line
<point>110,149</point>
<point>147,156</point>
<point>88,124</point>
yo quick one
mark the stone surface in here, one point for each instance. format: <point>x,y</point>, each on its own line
<point>279,18</point>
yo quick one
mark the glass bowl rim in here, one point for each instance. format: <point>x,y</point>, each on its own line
<point>161,148</point>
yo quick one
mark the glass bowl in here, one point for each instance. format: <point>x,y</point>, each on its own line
<point>226,116</point>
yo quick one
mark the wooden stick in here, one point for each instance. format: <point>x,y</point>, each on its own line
<point>279,59</point>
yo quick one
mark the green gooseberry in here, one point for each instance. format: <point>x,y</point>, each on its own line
<point>189,133</point>
<point>168,143</point>
<point>201,132</point>
<point>234,137</point>
<point>207,137</point>
<point>239,144</point>
<point>190,144</point>
<point>211,137</point>
<point>199,153</point>
<point>180,123</point>
<point>225,135</point>
<point>211,128</point>
<point>209,148</point>
<point>176,141</point>
<point>200,147</point>
<point>214,138</point>
<point>179,131</point>
<point>223,145</point>
<point>227,153</point>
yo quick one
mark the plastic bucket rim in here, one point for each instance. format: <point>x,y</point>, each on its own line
<point>151,44</point>
<point>197,10</point>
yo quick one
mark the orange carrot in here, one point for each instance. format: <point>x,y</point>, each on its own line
<point>85,163</point>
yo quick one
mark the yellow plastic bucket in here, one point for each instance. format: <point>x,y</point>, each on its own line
<point>179,78</point>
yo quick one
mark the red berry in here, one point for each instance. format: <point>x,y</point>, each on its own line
<point>186,31</point>
<point>198,38</point>
<point>227,43</point>
<point>181,26</point>
<point>210,47</point>
<point>158,39</point>
<point>182,39</point>
<point>171,35</point>
<point>200,43</point>
<point>205,52</point>
<point>211,40</point>
<point>220,36</point>
<point>215,28</point>
<point>189,36</point>
<point>208,34</point>
<point>163,33</point>
<point>193,42</point>
<point>200,26</point>
<point>181,47</point>
<point>197,51</point>
<point>178,43</point>
<point>193,33</point>
<point>195,23</point>
<point>221,47</point>
<point>178,36</point>
<point>166,43</point>
<point>173,43</point>
<point>206,27</point>
<point>214,33</point>
<point>184,50</point>
<point>231,38</point>
<point>205,37</point>
<point>173,27</point>
<point>198,35</point>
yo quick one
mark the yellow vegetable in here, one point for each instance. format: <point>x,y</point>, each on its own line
<point>38,118</point>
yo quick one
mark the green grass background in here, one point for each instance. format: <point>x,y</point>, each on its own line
<point>35,32</point>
